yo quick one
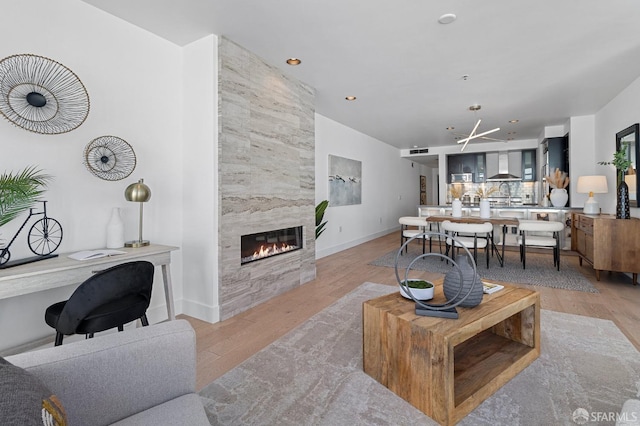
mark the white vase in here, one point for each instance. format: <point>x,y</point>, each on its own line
<point>559,197</point>
<point>485,209</point>
<point>456,208</point>
<point>115,230</point>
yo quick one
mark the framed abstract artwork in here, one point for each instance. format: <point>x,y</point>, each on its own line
<point>345,181</point>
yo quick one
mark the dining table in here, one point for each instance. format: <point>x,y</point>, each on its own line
<point>505,222</point>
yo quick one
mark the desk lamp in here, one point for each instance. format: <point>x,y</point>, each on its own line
<point>592,185</point>
<point>139,193</point>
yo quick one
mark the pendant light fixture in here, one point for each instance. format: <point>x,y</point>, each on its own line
<point>473,134</point>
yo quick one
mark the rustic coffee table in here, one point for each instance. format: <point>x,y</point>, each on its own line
<point>447,367</point>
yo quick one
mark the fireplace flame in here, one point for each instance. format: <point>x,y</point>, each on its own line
<point>270,250</point>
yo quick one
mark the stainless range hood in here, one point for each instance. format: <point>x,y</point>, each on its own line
<point>503,169</point>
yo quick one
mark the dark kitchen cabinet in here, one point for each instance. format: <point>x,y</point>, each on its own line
<point>557,154</point>
<point>529,165</point>
<point>467,163</point>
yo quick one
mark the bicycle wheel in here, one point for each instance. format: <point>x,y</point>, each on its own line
<point>5,255</point>
<point>45,236</point>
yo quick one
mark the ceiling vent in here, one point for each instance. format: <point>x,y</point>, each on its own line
<point>419,151</point>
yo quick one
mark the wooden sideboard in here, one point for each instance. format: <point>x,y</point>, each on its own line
<point>607,243</point>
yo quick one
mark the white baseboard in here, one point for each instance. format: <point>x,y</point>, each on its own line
<point>202,312</point>
<point>340,247</point>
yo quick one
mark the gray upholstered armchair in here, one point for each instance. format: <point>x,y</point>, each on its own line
<point>143,376</point>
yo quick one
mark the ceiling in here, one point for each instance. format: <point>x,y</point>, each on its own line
<point>539,62</point>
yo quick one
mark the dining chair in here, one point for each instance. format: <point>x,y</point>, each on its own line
<point>469,235</point>
<point>541,234</point>
<point>411,226</point>
<point>108,299</point>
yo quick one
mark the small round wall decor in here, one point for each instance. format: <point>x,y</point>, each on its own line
<point>109,158</point>
<point>41,95</point>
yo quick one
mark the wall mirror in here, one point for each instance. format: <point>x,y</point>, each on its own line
<point>630,138</point>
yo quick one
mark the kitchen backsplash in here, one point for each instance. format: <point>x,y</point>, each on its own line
<point>521,192</point>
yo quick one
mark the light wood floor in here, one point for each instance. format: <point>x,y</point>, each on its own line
<point>224,345</point>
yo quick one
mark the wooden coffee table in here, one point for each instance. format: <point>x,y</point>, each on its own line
<point>447,367</point>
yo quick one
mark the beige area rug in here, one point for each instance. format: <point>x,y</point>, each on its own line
<point>540,270</point>
<point>313,376</point>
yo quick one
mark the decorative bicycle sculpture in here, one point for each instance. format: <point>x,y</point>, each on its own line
<point>44,236</point>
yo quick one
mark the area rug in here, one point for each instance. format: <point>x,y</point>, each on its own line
<point>313,376</point>
<point>540,270</point>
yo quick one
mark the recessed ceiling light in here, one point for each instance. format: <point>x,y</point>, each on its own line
<point>415,146</point>
<point>294,61</point>
<point>450,128</point>
<point>513,121</point>
<point>447,18</point>
<point>350,98</point>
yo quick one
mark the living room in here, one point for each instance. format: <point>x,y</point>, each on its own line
<point>163,100</point>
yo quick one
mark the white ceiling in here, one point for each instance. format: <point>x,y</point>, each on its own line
<point>537,61</point>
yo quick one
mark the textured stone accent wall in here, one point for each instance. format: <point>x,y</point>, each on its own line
<point>266,149</point>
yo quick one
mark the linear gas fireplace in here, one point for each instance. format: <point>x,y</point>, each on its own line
<point>271,243</point>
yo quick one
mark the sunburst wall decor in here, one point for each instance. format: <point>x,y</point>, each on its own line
<point>109,158</point>
<point>41,95</point>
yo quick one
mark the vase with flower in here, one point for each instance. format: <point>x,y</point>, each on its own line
<point>558,181</point>
<point>485,205</point>
<point>622,163</point>
<point>456,203</point>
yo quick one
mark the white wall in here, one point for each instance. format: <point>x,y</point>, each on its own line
<point>582,159</point>
<point>200,180</point>
<point>390,187</point>
<point>617,115</point>
<point>134,83</point>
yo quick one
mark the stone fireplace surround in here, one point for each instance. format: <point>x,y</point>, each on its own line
<point>266,176</point>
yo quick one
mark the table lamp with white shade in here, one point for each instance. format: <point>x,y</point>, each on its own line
<point>592,185</point>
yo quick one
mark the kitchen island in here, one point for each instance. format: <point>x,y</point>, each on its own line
<point>526,212</point>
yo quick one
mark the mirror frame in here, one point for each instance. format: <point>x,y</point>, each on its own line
<point>631,130</point>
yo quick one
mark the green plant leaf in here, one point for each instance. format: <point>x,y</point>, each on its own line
<point>19,192</point>
<point>320,209</point>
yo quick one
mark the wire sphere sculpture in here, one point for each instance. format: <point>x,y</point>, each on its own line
<point>41,95</point>
<point>432,309</point>
<point>109,158</point>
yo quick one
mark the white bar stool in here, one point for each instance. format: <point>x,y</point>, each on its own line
<point>547,234</point>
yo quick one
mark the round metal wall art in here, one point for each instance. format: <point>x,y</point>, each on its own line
<point>41,95</point>
<point>109,158</point>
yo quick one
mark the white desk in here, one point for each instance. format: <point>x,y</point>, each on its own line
<point>62,271</point>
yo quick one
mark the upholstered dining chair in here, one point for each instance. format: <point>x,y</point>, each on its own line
<point>108,299</point>
<point>469,235</point>
<point>539,233</point>
<point>410,227</point>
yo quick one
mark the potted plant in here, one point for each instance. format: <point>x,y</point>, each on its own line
<point>420,289</point>
<point>19,191</point>
<point>622,163</point>
<point>320,209</point>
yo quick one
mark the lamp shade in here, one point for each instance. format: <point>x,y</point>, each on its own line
<point>630,180</point>
<point>137,192</point>
<point>592,184</point>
